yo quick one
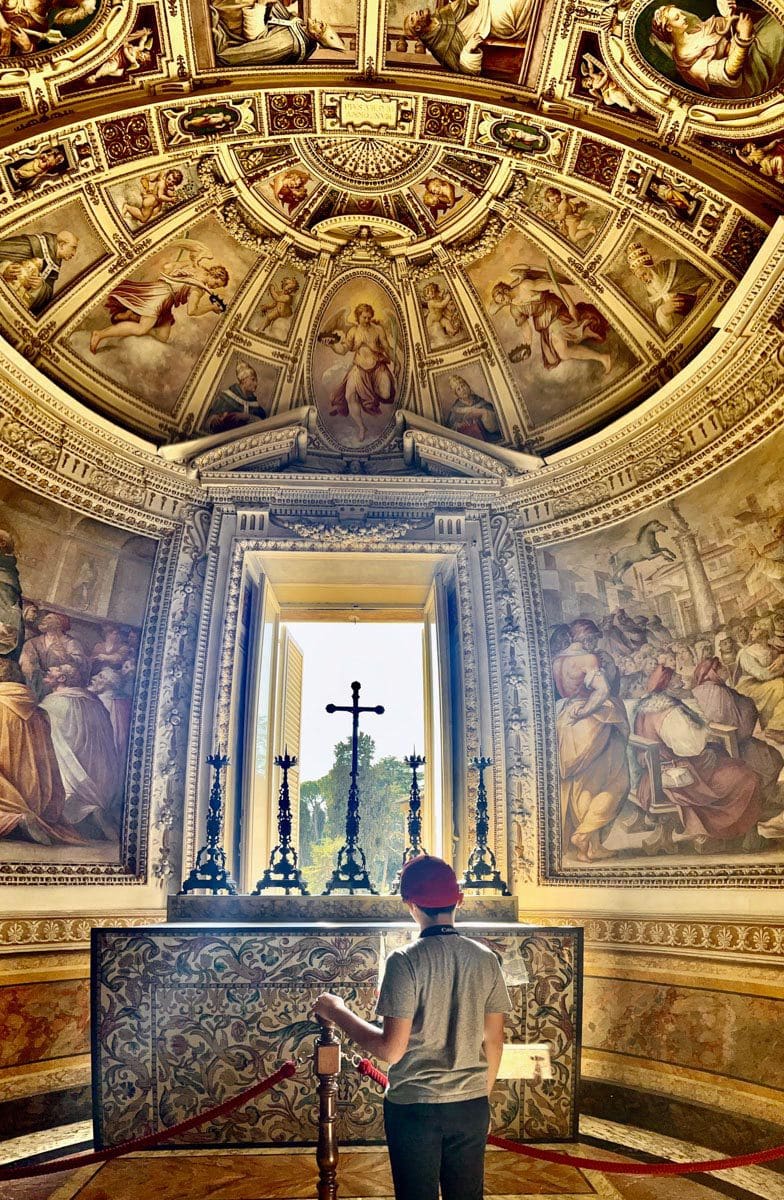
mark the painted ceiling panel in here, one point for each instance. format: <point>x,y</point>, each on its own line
<point>514,218</point>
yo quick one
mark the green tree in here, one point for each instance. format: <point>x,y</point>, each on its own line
<point>383,791</point>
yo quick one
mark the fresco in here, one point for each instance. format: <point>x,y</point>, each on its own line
<point>287,189</point>
<point>444,326</point>
<point>491,38</point>
<point>712,48</point>
<point>73,593</point>
<point>564,349</point>
<point>576,218</point>
<point>40,261</point>
<point>358,361</point>
<point>136,55</point>
<point>667,655</point>
<point>661,282</point>
<point>152,326</point>
<point>280,299</point>
<point>43,24</point>
<point>143,200</point>
<point>247,33</point>
<point>244,394</point>
<point>440,197</point>
<point>765,157</point>
<point>464,404</point>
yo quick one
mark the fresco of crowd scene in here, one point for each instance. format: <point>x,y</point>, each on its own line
<point>669,744</point>
<point>65,716</point>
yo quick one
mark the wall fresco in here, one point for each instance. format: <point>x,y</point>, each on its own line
<point>667,653</point>
<point>564,348</point>
<point>40,261</point>
<point>358,361</point>
<point>73,594</point>
<point>153,324</point>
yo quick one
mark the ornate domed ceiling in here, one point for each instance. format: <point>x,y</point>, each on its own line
<point>513,218</point>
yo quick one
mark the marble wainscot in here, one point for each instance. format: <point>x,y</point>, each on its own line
<point>186,1015</point>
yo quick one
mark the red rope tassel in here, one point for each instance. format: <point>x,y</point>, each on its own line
<point>152,1139</point>
<point>366,1067</point>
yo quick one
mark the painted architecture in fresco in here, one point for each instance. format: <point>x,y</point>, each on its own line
<point>73,594</point>
<point>667,654</point>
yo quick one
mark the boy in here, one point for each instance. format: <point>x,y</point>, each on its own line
<point>443,1000</point>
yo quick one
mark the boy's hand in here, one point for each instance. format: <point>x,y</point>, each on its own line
<point>328,1006</point>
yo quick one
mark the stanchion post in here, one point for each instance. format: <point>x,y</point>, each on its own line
<point>327,1067</point>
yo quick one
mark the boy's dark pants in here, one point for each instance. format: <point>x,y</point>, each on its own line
<point>438,1143</point>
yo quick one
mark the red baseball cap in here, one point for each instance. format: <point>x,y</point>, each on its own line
<point>429,882</point>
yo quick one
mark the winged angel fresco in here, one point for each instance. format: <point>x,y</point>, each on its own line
<point>376,359</point>
<point>540,303</point>
<point>142,308</point>
<point>30,25</point>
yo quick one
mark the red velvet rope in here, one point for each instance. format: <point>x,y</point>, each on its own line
<point>151,1139</point>
<point>366,1067</point>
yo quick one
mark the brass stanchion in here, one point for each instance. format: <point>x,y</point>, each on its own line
<point>327,1067</point>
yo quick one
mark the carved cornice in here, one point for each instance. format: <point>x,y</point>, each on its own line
<point>758,940</point>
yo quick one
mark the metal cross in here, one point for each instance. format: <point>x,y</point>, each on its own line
<point>351,870</point>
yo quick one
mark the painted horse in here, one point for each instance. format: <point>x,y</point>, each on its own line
<point>644,547</point>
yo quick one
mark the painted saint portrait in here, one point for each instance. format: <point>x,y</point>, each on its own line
<point>722,50</point>
<point>660,279</point>
<point>151,328</point>
<point>563,347</point>
<point>32,26</point>
<point>40,261</point>
<point>470,37</point>
<point>669,678</point>
<point>257,33</point>
<point>244,394</point>
<point>358,362</point>
<point>465,408</point>
<point>73,593</point>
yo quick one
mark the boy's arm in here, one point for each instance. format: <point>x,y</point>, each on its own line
<point>389,1043</point>
<point>493,1044</point>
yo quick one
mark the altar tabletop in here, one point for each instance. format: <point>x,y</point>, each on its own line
<point>185,1016</point>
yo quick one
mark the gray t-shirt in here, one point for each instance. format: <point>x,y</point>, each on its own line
<point>445,983</point>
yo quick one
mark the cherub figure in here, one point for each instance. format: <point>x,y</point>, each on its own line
<point>28,173</point>
<point>290,187</point>
<point>598,82</point>
<point>443,318</point>
<point>539,304</point>
<point>280,304</point>
<point>157,193</point>
<point>146,308</point>
<point>440,195</point>
<point>568,214</point>
<point>134,54</point>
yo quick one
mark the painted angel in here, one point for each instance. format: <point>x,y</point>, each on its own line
<point>370,380</point>
<point>146,308</point>
<point>540,304</point>
<point>600,84</point>
<point>134,54</point>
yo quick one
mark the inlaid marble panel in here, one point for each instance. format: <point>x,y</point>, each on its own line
<point>184,1018</point>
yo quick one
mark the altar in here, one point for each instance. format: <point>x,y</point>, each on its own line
<point>190,1013</point>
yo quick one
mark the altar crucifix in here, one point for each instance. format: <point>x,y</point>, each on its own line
<point>351,872</point>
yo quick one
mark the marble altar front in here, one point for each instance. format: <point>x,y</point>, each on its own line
<point>186,1015</point>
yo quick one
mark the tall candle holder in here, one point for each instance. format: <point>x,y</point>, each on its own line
<point>209,873</point>
<point>414,821</point>
<point>283,870</point>
<point>482,873</point>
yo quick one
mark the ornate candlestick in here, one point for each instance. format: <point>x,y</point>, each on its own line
<point>482,873</point>
<point>283,871</point>
<point>351,873</point>
<point>209,872</point>
<point>414,820</point>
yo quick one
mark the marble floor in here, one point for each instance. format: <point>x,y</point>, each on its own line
<point>291,1174</point>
